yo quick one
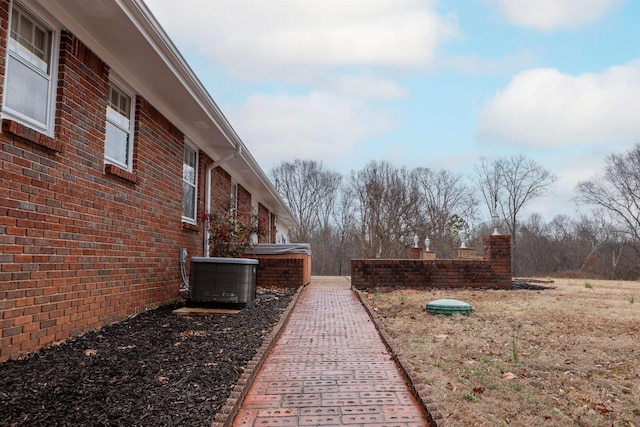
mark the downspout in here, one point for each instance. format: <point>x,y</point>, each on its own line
<point>207,194</point>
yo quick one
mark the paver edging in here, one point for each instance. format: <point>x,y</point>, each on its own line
<point>230,409</point>
<point>434,416</point>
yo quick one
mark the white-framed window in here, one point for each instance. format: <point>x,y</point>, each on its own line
<point>118,144</point>
<point>30,77</point>
<point>189,184</point>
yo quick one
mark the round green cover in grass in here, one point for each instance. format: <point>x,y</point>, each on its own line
<point>449,306</point>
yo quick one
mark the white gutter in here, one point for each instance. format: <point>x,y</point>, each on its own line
<point>207,194</point>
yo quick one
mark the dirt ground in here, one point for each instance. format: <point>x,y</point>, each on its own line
<point>568,356</point>
<point>155,369</point>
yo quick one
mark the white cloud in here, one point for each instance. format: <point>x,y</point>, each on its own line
<point>551,15</point>
<point>475,64</point>
<point>292,39</point>
<point>545,108</point>
<point>318,125</point>
<point>367,87</point>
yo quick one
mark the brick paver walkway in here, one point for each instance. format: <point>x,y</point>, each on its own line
<point>329,368</point>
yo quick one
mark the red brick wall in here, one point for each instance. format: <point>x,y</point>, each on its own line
<point>220,189</point>
<point>81,247</point>
<point>263,214</point>
<point>283,271</point>
<point>244,204</point>
<point>492,271</point>
<point>4,27</point>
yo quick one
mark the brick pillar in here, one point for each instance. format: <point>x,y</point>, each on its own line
<point>416,253</point>
<point>497,250</point>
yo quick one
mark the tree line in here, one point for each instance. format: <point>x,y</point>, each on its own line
<point>378,211</point>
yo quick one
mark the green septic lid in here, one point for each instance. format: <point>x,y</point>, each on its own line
<point>448,306</point>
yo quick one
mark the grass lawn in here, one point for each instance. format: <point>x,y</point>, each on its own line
<point>560,357</point>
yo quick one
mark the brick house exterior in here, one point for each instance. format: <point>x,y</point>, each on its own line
<point>88,237</point>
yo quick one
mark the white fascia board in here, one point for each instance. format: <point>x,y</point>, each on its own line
<point>140,14</point>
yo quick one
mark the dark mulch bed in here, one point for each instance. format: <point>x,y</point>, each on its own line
<point>155,369</point>
<point>517,285</point>
<point>521,285</point>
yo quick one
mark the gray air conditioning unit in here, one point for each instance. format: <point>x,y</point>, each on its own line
<point>223,282</point>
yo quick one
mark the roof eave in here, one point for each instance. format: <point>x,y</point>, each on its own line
<point>138,43</point>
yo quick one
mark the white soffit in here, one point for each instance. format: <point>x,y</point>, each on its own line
<point>127,37</point>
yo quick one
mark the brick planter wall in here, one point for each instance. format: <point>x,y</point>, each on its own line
<point>492,271</point>
<point>284,271</point>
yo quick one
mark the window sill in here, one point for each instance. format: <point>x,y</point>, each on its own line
<point>120,173</point>
<point>190,227</point>
<point>28,134</point>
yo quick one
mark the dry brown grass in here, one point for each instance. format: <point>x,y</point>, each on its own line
<point>561,357</point>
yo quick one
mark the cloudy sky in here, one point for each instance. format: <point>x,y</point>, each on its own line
<point>421,82</point>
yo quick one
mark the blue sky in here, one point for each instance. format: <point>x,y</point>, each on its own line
<point>421,83</point>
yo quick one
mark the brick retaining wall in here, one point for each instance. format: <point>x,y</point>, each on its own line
<point>493,270</point>
<point>283,271</point>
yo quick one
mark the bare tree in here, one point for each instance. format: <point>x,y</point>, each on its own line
<point>618,192</point>
<point>387,207</point>
<point>560,228</point>
<point>588,247</point>
<point>595,233</point>
<point>446,200</point>
<point>310,192</point>
<point>522,180</point>
<point>536,250</point>
<point>567,250</point>
<point>487,179</point>
<point>512,182</point>
<point>344,218</point>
